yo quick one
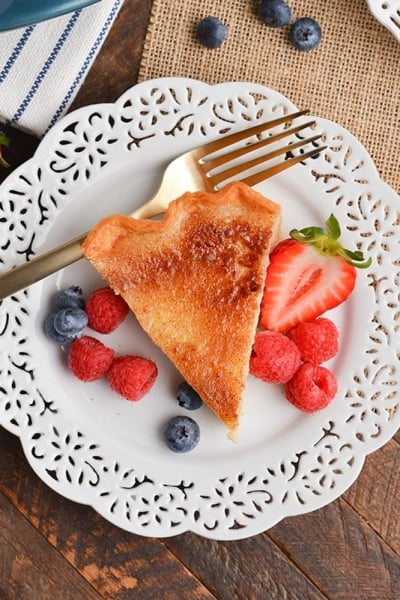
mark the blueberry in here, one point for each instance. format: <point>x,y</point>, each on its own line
<point>305,34</point>
<point>275,13</point>
<point>188,397</point>
<point>182,434</point>
<point>211,32</point>
<point>71,297</point>
<point>70,321</point>
<point>52,333</point>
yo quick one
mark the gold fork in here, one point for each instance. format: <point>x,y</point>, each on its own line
<point>198,169</point>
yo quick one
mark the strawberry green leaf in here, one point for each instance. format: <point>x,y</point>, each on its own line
<point>333,227</point>
<point>308,234</point>
<point>356,258</point>
<point>327,244</point>
<point>4,141</point>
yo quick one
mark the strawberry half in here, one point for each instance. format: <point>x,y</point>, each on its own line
<point>308,274</point>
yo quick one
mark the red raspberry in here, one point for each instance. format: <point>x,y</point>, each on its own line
<point>132,376</point>
<point>274,357</point>
<point>105,310</point>
<point>89,359</point>
<point>317,340</point>
<point>311,388</point>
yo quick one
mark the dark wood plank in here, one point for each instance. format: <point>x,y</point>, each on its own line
<point>340,553</point>
<point>375,495</point>
<point>29,568</point>
<point>117,564</point>
<point>252,569</point>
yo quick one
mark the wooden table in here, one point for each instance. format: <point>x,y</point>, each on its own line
<point>53,548</point>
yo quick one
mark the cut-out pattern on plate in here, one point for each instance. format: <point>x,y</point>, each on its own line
<point>221,490</point>
<point>387,12</point>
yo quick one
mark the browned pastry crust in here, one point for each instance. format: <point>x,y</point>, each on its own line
<point>194,280</point>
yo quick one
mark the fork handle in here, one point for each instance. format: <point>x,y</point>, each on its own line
<point>40,267</point>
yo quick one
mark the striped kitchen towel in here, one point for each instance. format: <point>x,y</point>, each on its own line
<point>42,66</point>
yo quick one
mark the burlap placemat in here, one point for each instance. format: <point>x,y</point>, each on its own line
<point>352,78</point>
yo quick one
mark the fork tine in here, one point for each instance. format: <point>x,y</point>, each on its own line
<point>233,138</point>
<point>214,180</point>
<point>209,165</point>
<point>282,166</point>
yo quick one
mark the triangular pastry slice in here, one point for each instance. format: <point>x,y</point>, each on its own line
<point>195,280</point>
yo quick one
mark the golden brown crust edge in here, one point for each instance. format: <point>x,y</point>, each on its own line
<point>257,203</point>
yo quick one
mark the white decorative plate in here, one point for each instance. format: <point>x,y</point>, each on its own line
<point>387,12</point>
<point>96,448</point>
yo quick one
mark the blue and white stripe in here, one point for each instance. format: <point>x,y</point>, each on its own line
<point>45,64</point>
<point>86,64</point>
<point>15,53</point>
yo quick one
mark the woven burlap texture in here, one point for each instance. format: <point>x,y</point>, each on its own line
<point>352,77</point>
